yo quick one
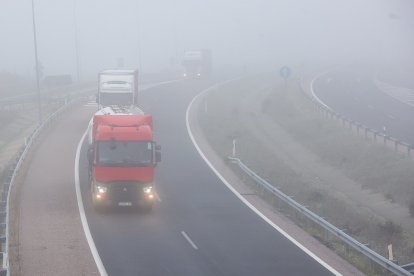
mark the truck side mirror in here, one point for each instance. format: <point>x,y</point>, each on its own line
<point>91,154</point>
<point>157,156</point>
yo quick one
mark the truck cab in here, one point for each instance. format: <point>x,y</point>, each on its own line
<point>123,157</point>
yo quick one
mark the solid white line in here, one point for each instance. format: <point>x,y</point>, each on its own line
<point>189,240</point>
<point>82,214</point>
<point>313,92</point>
<point>84,221</point>
<point>157,196</point>
<point>244,200</point>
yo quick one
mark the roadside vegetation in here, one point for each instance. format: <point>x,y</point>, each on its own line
<point>259,111</point>
<point>13,85</point>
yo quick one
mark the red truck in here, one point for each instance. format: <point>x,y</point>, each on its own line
<point>122,156</point>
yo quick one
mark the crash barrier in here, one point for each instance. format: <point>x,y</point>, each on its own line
<point>378,136</point>
<point>49,96</point>
<point>11,176</point>
<point>80,92</point>
<point>321,222</point>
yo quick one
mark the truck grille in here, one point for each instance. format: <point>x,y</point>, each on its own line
<point>125,191</point>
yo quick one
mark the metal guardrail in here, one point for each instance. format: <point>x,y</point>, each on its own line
<point>7,186</point>
<point>363,249</point>
<point>67,99</point>
<point>49,96</point>
<point>378,136</point>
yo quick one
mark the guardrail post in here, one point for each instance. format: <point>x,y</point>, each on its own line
<point>3,196</point>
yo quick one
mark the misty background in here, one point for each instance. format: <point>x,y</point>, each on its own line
<point>152,35</point>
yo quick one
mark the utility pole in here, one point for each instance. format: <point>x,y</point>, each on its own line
<point>75,23</point>
<point>39,100</point>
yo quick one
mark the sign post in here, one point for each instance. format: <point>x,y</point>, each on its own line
<point>285,73</point>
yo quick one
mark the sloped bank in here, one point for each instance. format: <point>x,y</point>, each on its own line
<point>281,136</point>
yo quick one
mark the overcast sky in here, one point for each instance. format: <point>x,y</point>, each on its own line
<point>153,34</point>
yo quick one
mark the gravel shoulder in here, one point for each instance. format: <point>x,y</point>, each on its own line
<point>51,240</point>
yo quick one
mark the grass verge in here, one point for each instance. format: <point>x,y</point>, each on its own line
<point>229,114</point>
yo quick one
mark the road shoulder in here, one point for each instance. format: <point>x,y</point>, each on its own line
<point>51,237</point>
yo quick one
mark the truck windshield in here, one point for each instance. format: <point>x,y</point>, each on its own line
<point>108,99</point>
<point>125,153</point>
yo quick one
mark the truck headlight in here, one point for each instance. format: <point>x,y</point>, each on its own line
<point>148,190</point>
<point>101,189</point>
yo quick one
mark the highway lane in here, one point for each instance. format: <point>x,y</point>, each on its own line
<point>50,233</point>
<point>354,95</point>
<point>198,227</point>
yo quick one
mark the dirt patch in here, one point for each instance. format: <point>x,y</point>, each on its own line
<point>349,181</point>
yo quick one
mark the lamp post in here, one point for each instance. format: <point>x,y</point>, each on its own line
<point>75,23</point>
<point>39,100</point>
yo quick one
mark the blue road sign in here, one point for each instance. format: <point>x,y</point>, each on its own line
<point>285,72</point>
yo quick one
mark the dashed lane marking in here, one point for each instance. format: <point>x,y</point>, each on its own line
<point>189,240</point>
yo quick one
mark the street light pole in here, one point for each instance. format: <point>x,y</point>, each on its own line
<point>39,101</point>
<point>76,42</point>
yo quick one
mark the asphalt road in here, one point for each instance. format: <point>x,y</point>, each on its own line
<point>353,94</point>
<point>198,227</point>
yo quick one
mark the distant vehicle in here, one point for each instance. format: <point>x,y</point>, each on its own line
<point>118,87</point>
<point>197,63</point>
<point>122,155</point>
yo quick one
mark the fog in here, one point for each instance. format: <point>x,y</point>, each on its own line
<point>152,35</point>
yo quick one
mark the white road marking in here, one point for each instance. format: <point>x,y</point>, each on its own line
<point>244,200</point>
<point>82,214</point>
<point>157,196</point>
<point>84,221</point>
<point>313,92</point>
<point>189,240</point>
